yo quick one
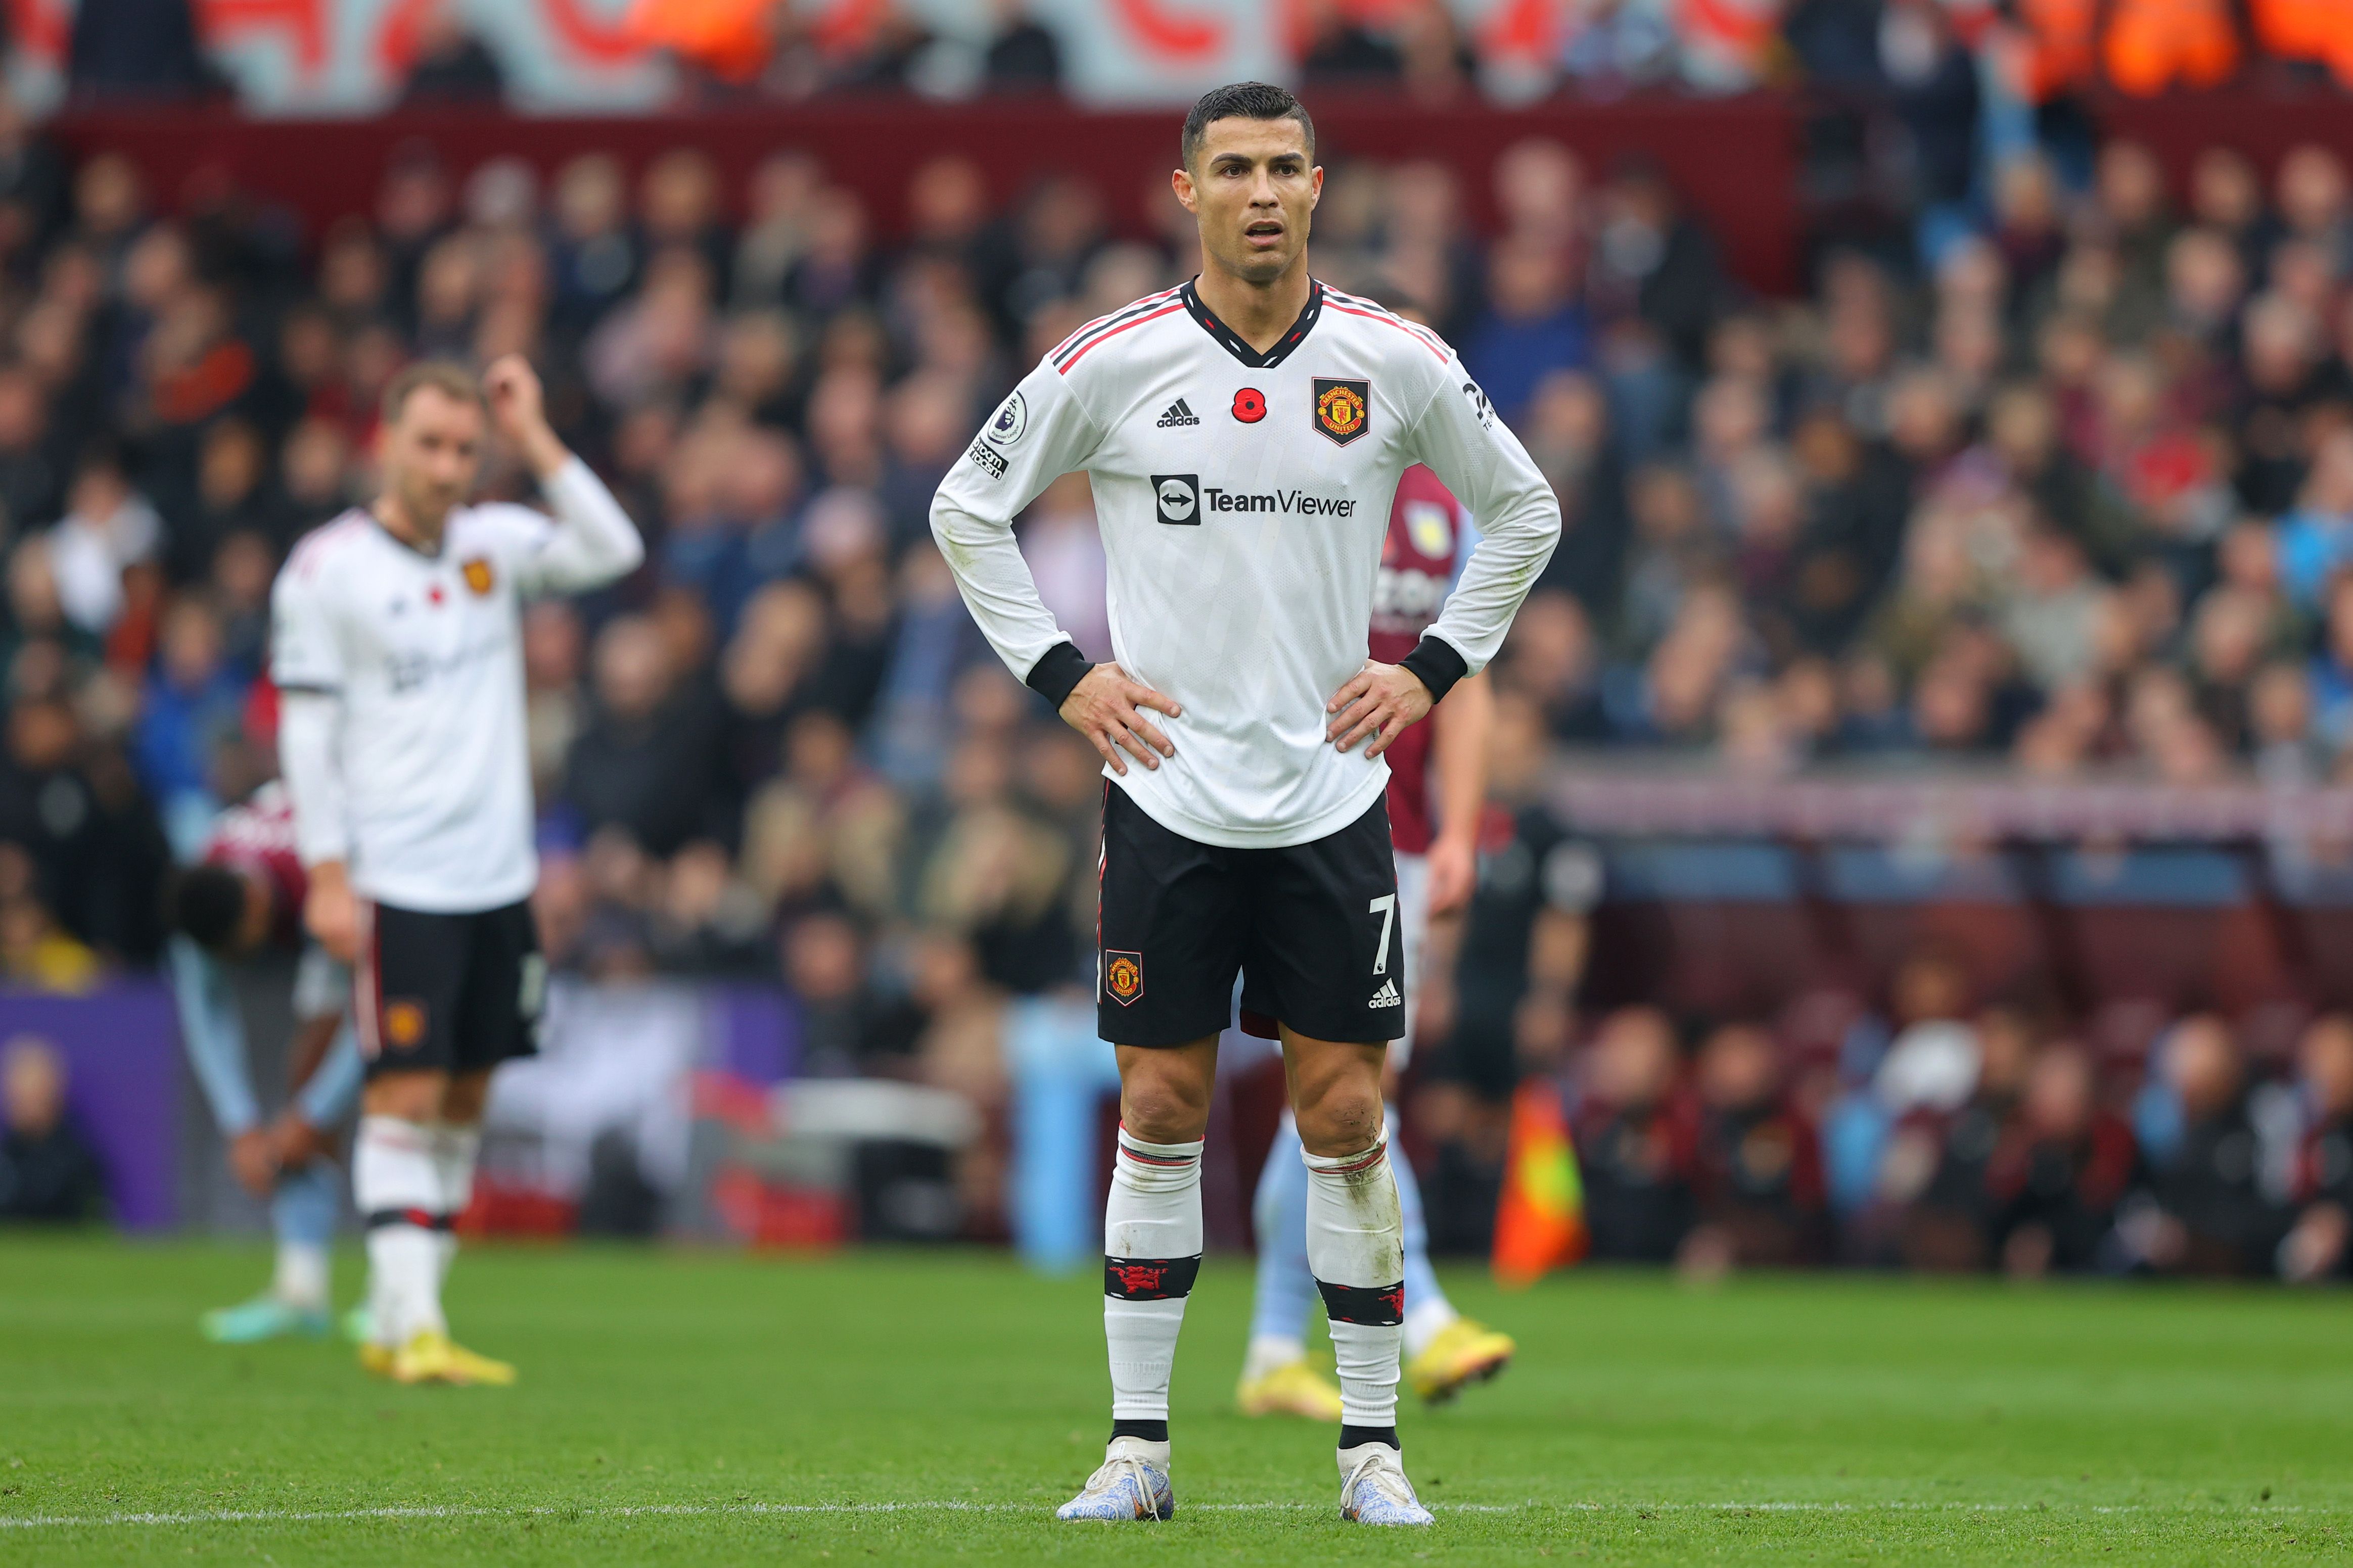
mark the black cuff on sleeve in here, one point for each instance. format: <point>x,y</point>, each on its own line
<point>1058,671</point>
<point>1437,666</point>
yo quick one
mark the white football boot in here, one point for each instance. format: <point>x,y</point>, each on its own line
<point>1373,1490</point>
<point>1132,1483</point>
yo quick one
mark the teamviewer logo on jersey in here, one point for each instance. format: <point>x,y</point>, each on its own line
<point>1179,496</point>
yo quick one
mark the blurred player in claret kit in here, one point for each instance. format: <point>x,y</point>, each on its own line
<point>244,897</point>
<point>1428,542</point>
<point>396,645</point>
<point>1244,434</point>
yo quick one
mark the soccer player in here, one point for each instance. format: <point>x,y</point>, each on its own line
<point>245,896</point>
<point>1244,434</point>
<point>396,643</point>
<point>1437,853</point>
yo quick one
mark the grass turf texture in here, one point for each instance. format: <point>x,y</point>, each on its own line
<point>689,1408</point>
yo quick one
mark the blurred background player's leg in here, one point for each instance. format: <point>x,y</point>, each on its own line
<point>1443,1349</point>
<point>1276,1377</point>
<point>302,1199</point>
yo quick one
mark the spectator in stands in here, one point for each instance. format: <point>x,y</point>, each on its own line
<point>452,66</point>
<point>193,705</point>
<point>1341,51</point>
<point>2062,1170</point>
<point>644,762</point>
<point>2320,1245</point>
<point>1024,55</point>
<point>1955,1223</point>
<point>846,1025</point>
<point>139,50</point>
<point>1637,1144</point>
<point>1758,1171</point>
<point>1618,47</point>
<point>2207,1212</point>
<point>48,1172</point>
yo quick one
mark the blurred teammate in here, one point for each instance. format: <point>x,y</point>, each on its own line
<point>243,897</point>
<point>1429,538</point>
<point>396,643</point>
<point>1243,435</point>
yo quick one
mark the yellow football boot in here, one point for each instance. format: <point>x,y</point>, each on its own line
<point>1294,1388</point>
<point>1464,1351</point>
<point>375,1359</point>
<point>430,1356</point>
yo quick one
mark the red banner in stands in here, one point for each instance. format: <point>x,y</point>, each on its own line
<point>327,169</point>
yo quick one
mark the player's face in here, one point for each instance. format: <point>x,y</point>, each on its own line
<point>431,454</point>
<point>1252,186</point>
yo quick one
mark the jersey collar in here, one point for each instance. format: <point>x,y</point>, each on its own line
<point>1231,341</point>
<point>377,524</point>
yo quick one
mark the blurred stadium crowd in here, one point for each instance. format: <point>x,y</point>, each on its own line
<point>2068,483</point>
<point>1940,1134</point>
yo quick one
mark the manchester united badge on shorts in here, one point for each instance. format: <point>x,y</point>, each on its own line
<point>403,1024</point>
<point>1124,976</point>
<point>1343,408</point>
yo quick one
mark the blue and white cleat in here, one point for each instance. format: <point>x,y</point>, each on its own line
<point>263,1318</point>
<point>1373,1490</point>
<point>1133,1483</point>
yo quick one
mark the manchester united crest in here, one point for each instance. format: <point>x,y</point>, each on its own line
<point>1124,976</point>
<point>403,1025</point>
<point>479,575</point>
<point>1343,408</point>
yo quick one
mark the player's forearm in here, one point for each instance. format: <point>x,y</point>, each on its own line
<point>595,540</point>
<point>309,724</point>
<point>308,1047</point>
<point>1459,746</point>
<point>327,1095</point>
<point>1003,598</point>
<point>214,1036</point>
<point>1504,566</point>
<point>1478,458</point>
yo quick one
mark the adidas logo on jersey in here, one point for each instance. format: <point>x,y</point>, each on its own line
<point>1387,996</point>
<point>1179,414</point>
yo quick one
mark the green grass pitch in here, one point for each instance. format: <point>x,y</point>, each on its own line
<point>692,1408</point>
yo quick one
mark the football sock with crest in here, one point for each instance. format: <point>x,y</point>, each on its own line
<point>1152,1251</point>
<point>1356,1245</point>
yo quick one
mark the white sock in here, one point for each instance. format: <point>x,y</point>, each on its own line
<point>456,1146</point>
<point>1355,1246</point>
<point>1151,1250</point>
<point>1269,1351</point>
<point>301,1279</point>
<point>398,1193</point>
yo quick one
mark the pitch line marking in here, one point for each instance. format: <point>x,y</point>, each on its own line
<point>688,1509</point>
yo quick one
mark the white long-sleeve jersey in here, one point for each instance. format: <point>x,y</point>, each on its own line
<point>1243,498</point>
<point>402,737</point>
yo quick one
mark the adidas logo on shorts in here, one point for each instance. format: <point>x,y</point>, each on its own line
<point>1179,414</point>
<point>1387,996</point>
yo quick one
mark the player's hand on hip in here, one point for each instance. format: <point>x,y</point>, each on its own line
<point>1379,701</point>
<point>331,914</point>
<point>1107,707</point>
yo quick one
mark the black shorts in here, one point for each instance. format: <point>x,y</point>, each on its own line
<point>447,993</point>
<point>1313,930</point>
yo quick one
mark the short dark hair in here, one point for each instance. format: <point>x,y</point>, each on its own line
<point>209,904</point>
<point>1243,101</point>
